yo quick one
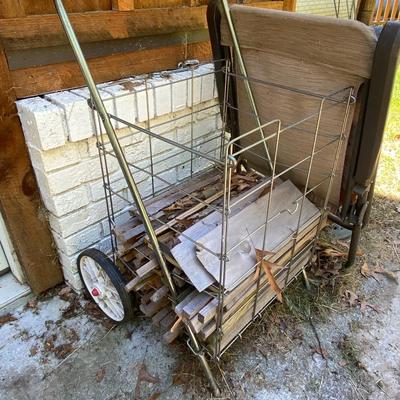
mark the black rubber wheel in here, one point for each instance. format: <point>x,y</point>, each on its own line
<point>105,285</point>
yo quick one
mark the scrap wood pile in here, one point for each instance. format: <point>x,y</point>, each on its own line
<point>187,220</point>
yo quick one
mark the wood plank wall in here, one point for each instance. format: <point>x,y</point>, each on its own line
<point>120,38</point>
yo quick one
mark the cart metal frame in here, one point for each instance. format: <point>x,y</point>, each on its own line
<point>227,157</point>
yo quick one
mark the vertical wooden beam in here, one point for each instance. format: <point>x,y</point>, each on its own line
<point>123,5</point>
<point>289,5</point>
<point>11,9</point>
<point>20,202</point>
<point>366,11</point>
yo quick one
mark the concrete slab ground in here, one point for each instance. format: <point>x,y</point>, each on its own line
<point>59,347</point>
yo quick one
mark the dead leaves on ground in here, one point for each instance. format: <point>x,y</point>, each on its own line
<point>144,376</point>
<point>368,272</point>
<point>100,374</point>
<point>354,300</point>
<point>6,319</point>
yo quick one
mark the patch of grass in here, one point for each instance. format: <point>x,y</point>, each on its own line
<point>388,182</point>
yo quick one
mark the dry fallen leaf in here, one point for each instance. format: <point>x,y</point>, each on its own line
<point>33,351</point>
<point>100,374</point>
<point>366,272</point>
<point>7,318</point>
<point>268,267</point>
<point>389,274</point>
<point>321,351</point>
<point>351,297</point>
<point>144,376</point>
<point>364,305</point>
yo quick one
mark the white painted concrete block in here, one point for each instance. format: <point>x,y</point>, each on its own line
<point>207,82</point>
<point>124,104</point>
<point>97,188</point>
<point>71,223</point>
<point>57,158</point>
<point>73,280</point>
<point>194,86</point>
<point>144,100</point>
<point>108,104</point>
<point>162,94</point>
<point>158,145</point>
<point>68,262</point>
<point>77,114</point>
<point>179,90</point>
<point>204,126</point>
<point>68,178</point>
<point>79,241</point>
<point>67,202</point>
<point>42,122</point>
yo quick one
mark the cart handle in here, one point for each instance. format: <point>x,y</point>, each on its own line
<point>98,102</point>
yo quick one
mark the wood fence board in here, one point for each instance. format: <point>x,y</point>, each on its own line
<point>46,30</point>
<point>20,202</point>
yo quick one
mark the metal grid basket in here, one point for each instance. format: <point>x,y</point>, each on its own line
<point>223,155</point>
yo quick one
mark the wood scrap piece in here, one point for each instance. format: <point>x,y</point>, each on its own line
<point>187,213</point>
<point>185,252</point>
<point>160,315</point>
<point>208,312</point>
<point>188,298</point>
<point>266,265</point>
<point>195,305</point>
<point>168,320</point>
<point>281,225</point>
<point>147,268</point>
<point>159,294</point>
<point>171,335</point>
<point>151,308</point>
<point>195,324</point>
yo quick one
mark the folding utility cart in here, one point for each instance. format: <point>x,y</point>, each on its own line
<point>303,103</point>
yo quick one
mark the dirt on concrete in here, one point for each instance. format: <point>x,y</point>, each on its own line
<point>340,340</point>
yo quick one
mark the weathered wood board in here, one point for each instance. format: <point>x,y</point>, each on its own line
<point>242,227</point>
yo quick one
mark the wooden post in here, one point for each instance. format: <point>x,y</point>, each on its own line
<point>289,5</point>
<point>366,11</point>
<point>123,5</point>
<point>20,202</point>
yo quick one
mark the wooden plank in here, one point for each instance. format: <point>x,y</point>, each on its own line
<point>387,10</point>
<point>274,5</point>
<point>207,313</point>
<point>34,81</point>
<point>158,3</point>
<point>159,294</point>
<point>46,30</point>
<point>147,268</point>
<point>35,7</point>
<point>188,298</point>
<point>151,308</point>
<point>240,321</point>
<point>395,10</point>
<point>289,5</point>
<point>160,315</point>
<point>11,9</point>
<point>242,294</point>
<point>49,78</point>
<point>281,225</point>
<point>185,252</point>
<point>20,202</point>
<point>379,9</point>
<point>195,305</point>
<point>123,5</point>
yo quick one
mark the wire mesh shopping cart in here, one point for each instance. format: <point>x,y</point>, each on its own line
<point>219,223</point>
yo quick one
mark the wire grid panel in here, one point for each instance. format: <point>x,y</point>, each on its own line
<point>270,150</point>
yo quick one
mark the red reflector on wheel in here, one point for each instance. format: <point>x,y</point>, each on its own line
<point>95,292</point>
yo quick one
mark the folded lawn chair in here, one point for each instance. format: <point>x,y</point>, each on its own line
<point>320,55</point>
